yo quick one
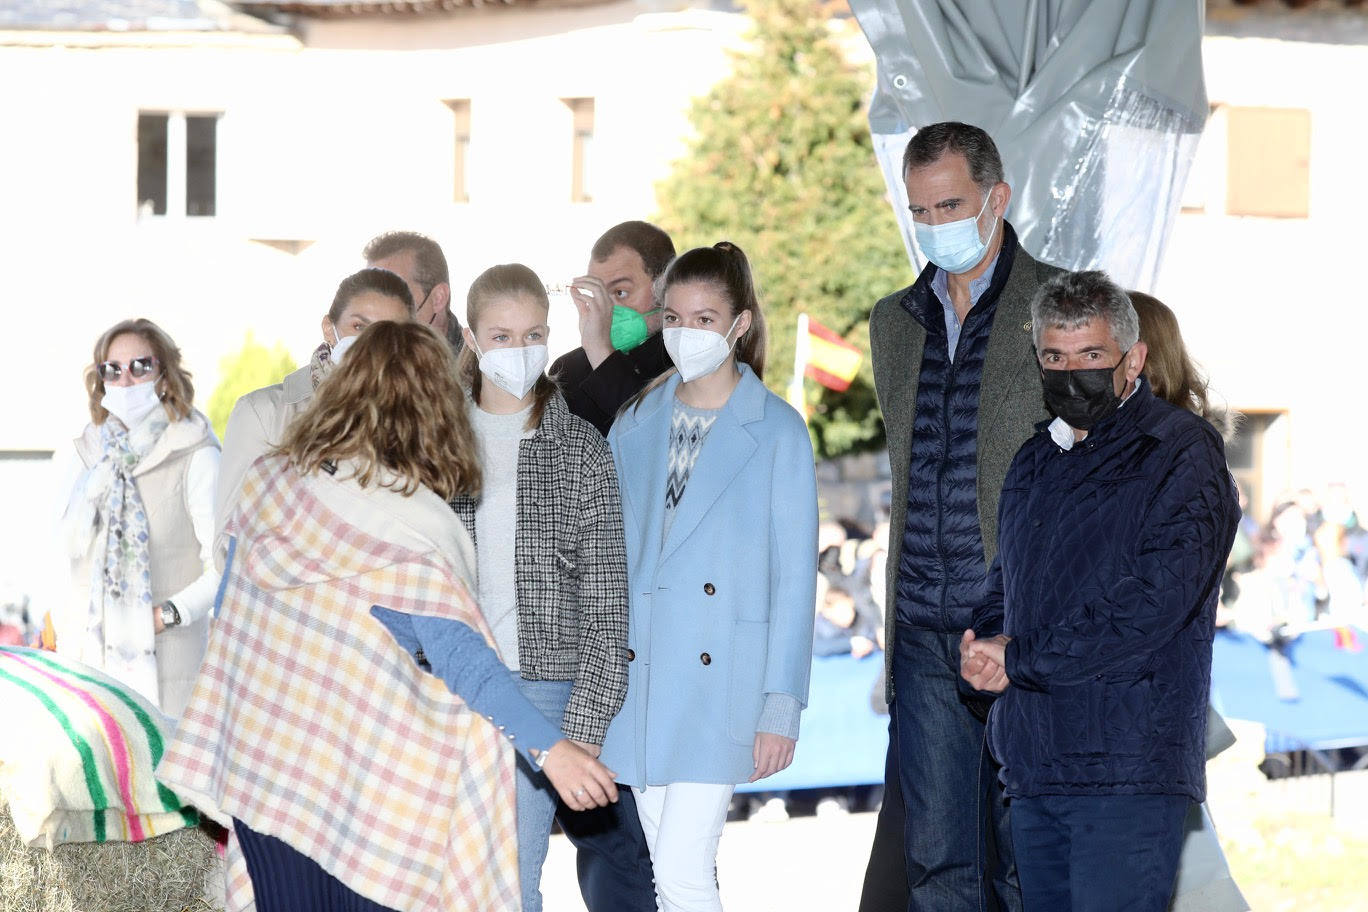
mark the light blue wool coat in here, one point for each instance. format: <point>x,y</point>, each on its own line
<point>722,610</point>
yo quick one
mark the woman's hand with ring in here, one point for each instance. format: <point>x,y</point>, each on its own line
<point>580,780</point>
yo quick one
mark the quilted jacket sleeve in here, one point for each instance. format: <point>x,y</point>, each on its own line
<point>988,616</point>
<point>1188,527</point>
<point>601,680</point>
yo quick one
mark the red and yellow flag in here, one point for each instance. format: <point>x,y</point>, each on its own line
<point>831,360</point>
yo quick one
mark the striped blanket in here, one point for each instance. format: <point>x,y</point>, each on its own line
<point>77,754</point>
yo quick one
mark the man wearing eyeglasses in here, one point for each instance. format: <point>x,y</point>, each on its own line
<point>419,261</point>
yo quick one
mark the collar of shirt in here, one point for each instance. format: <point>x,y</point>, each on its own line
<point>940,284</point>
<point>1063,435</point>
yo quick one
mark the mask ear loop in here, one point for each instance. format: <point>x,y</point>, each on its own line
<point>732,346</point>
<point>987,198</point>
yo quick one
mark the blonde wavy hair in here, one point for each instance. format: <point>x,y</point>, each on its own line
<point>393,405</point>
<point>1171,372</point>
<point>174,389</point>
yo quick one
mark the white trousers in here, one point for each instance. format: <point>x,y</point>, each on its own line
<point>682,823</point>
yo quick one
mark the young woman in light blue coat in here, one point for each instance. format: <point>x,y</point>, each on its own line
<point>719,499</point>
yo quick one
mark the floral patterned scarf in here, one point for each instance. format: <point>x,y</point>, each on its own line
<point>118,634</point>
<point>320,364</point>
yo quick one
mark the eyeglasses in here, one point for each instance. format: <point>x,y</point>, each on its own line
<point>419,306</point>
<point>111,371</point>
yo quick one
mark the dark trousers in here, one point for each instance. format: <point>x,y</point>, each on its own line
<point>885,882</point>
<point>956,836</point>
<point>612,859</point>
<point>1098,853</point>
<point>285,880</point>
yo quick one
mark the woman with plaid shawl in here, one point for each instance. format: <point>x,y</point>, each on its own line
<point>351,715</point>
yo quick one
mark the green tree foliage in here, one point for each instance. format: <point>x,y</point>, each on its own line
<point>252,367</point>
<point>781,163</point>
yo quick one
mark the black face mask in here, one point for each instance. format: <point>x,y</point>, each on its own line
<point>1081,397</point>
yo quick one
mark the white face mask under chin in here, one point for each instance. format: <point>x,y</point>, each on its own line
<point>697,352</point>
<point>514,370</point>
<point>131,404</point>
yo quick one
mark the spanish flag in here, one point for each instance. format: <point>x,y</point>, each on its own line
<point>830,360</point>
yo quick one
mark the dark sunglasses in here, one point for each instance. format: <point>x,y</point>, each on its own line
<point>111,371</point>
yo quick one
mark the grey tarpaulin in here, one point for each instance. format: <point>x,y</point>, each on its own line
<point>1096,106</point>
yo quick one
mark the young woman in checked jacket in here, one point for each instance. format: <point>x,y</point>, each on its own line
<point>548,538</point>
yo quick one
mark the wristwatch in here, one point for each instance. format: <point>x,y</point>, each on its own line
<point>170,614</point>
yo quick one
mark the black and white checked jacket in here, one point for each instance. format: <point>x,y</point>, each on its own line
<point>570,568</point>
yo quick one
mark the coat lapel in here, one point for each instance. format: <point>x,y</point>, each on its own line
<point>898,372</point>
<point>643,448</point>
<point>726,451</point>
<point>1011,354</point>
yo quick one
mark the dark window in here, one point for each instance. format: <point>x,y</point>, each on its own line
<point>460,116</point>
<point>200,156</point>
<point>581,158</point>
<point>152,164</point>
<point>1248,456</point>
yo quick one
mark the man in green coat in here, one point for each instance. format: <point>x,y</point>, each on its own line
<point>959,388</point>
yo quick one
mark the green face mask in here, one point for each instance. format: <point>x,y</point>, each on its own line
<point>629,328</point>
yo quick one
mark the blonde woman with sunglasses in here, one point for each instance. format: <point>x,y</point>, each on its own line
<point>138,520</point>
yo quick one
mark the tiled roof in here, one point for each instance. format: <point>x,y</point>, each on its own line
<point>125,16</point>
<point>336,8</point>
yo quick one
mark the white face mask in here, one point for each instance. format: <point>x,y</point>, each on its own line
<point>514,370</point>
<point>339,348</point>
<point>131,404</point>
<point>955,246</point>
<point>697,352</point>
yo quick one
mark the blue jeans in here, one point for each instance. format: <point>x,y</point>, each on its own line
<point>956,835</point>
<point>1098,853</point>
<point>536,794</point>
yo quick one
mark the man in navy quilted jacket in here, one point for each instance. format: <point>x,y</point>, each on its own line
<point>1114,524</point>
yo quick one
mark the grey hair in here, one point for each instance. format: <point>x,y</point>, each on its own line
<point>1071,299</point>
<point>932,142</point>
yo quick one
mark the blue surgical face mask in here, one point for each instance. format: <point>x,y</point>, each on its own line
<point>955,246</point>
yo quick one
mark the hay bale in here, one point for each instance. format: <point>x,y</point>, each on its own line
<point>177,872</point>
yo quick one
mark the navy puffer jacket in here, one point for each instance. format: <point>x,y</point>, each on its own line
<point>1109,564</point>
<point>941,571</point>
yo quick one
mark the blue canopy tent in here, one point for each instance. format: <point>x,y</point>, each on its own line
<point>1310,693</point>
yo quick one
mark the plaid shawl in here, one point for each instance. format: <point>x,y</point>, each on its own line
<point>311,724</point>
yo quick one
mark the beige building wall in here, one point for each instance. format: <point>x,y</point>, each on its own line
<point>1274,307</point>
<point>326,140</point>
